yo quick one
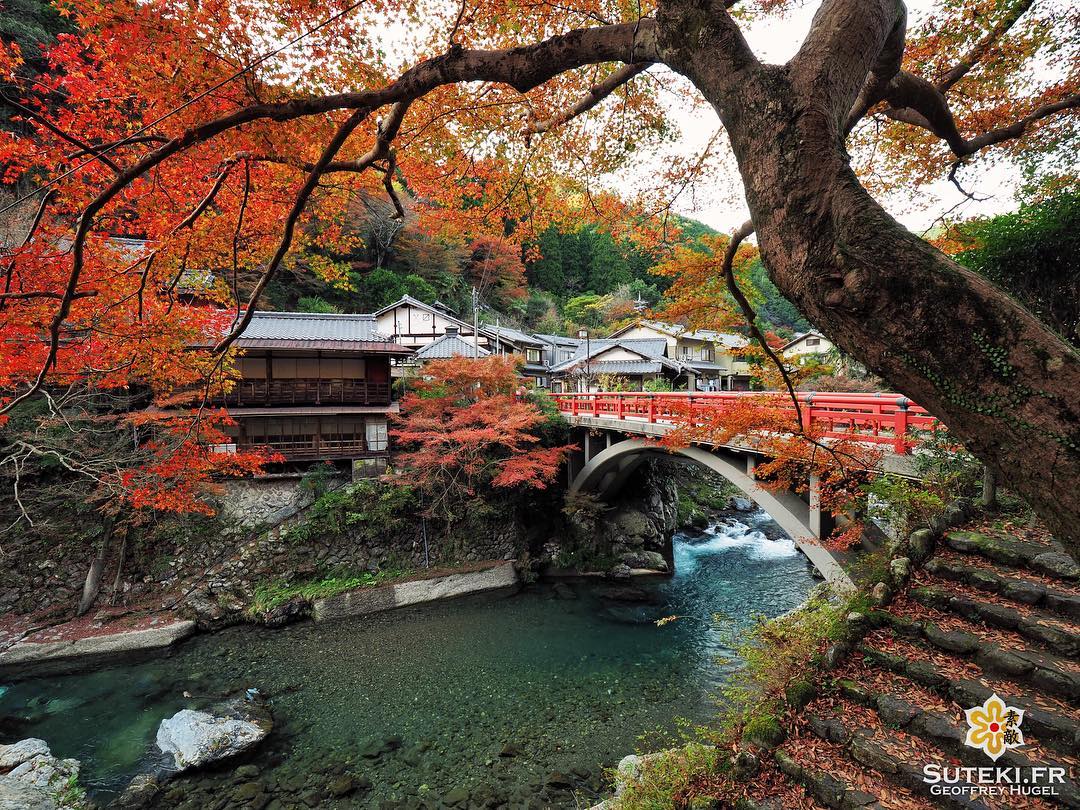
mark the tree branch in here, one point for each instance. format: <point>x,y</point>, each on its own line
<point>728,268</point>
<point>332,148</point>
<point>522,68</point>
<point>55,130</point>
<point>916,101</point>
<point>979,50</point>
<point>595,94</point>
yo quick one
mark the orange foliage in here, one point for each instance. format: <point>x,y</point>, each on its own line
<point>769,424</point>
<point>464,427</point>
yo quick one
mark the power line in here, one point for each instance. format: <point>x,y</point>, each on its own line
<point>186,104</point>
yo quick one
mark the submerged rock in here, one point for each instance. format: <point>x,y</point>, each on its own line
<point>629,593</point>
<point>30,776</point>
<point>196,738</point>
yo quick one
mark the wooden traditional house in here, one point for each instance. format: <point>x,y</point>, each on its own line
<point>710,360</point>
<point>413,324</point>
<point>315,387</point>
<point>633,362</point>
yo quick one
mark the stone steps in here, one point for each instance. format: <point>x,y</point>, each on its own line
<point>1044,559</point>
<point>923,736</point>
<point>1018,588</point>
<point>888,759</point>
<point>1058,635</point>
<point>1055,726</point>
<point>1006,656</point>
<point>931,667</point>
<point>840,783</point>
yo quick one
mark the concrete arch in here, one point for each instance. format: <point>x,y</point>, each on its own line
<point>606,472</point>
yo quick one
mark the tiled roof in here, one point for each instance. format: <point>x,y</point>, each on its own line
<point>560,340</point>
<point>308,330</point>
<point>513,335</point>
<point>626,367</point>
<point>310,326</point>
<point>448,346</point>
<point>649,348</point>
<point>727,339</point>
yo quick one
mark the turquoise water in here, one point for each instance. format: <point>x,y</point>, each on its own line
<point>519,701</point>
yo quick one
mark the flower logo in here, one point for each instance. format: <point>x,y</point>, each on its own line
<point>994,727</point>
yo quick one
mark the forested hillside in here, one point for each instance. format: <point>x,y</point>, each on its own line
<point>555,283</point>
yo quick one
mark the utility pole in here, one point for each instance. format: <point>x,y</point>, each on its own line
<point>498,343</point>
<point>475,324</point>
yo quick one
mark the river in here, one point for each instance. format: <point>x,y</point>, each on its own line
<point>517,699</point>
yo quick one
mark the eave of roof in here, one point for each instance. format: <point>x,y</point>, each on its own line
<point>365,346</point>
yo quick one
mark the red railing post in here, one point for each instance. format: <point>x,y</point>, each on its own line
<point>652,407</point>
<point>900,424</point>
<point>621,406</point>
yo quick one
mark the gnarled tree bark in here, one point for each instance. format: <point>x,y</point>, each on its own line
<point>1003,382</point>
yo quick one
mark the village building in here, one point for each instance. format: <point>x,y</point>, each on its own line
<point>710,360</point>
<point>315,387</point>
<point>632,363</point>
<point>413,324</point>
<point>802,348</point>
<point>451,344</point>
<point>531,348</point>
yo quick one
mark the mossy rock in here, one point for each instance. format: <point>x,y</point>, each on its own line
<point>765,730</point>
<point>799,693</point>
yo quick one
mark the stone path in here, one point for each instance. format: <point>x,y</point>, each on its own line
<point>985,615</point>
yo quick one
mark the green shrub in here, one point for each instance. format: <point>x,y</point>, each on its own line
<point>667,778</point>
<point>368,508</point>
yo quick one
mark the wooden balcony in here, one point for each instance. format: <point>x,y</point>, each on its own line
<point>315,448</point>
<point>255,393</point>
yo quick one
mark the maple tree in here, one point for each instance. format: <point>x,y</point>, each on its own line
<point>467,425</point>
<point>201,129</point>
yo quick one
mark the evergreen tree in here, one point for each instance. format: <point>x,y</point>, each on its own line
<point>607,264</point>
<point>548,272</point>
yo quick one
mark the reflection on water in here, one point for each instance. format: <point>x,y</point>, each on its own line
<point>496,698</point>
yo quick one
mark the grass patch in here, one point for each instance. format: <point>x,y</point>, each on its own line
<point>270,595</point>
<point>668,779</point>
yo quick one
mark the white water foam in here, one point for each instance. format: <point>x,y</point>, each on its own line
<point>733,533</point>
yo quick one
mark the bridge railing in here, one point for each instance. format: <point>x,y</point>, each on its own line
<point>875,418</point>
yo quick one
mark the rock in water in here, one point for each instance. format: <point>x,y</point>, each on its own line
<point>195,738</point>
<point>33,777</point>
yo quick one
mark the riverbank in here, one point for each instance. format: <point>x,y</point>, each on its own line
<point>91,641</point>
<point>512,700</point>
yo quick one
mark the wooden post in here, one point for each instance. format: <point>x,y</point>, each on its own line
<point>989,488</point>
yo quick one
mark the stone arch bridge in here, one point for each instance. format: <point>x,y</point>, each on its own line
<point>617,431</point>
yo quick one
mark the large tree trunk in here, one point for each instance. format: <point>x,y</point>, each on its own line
<point>1005,384</point>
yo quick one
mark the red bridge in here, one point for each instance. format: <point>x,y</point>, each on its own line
<point>616,432</point>
<point>876,418</point>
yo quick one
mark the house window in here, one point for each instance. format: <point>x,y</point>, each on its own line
<point>567,355</point>
<point>813,341</point>
<point>532,355</point>
<point>687,353</point>
<point>707,354</point>
<point>377,438</point>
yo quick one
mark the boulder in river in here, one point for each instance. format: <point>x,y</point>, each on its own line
<point>196,738</point>
<point>742,505</point>
<point>30,776</point>
<point>648,560</point>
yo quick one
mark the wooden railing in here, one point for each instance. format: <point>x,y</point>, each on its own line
<point>303,448</point>
<point>875,418</point>
<point>304,391</point>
